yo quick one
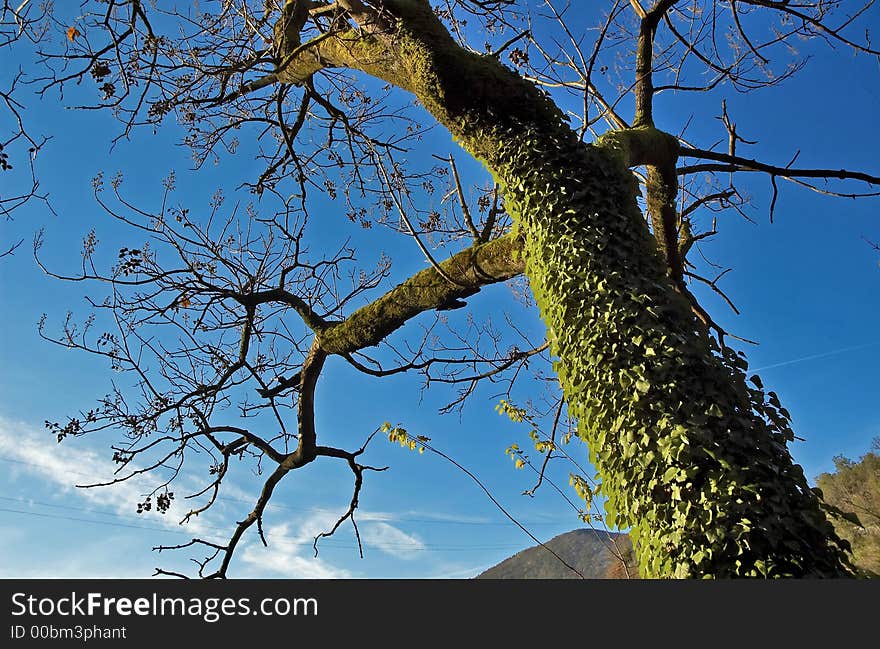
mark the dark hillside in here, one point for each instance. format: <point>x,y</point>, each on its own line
<point>596,554</point>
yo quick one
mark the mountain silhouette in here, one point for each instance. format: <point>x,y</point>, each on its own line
<point>595,554</point>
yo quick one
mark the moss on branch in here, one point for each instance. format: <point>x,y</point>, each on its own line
<point>471,269</point>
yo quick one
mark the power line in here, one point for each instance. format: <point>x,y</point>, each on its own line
<point>321,510</point>
<point>423,548</point>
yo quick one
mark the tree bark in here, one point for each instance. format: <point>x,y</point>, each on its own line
<point>692,458</point>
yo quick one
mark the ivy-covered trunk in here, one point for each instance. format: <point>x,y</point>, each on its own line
<point>692,457</point>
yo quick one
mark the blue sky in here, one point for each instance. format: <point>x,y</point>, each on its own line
<point>806,286</point>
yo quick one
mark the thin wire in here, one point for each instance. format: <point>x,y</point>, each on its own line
<point>319,510</point>
<point>424,548</point>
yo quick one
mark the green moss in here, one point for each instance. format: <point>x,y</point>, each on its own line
<point>638,146</point>
<point>471,269</point>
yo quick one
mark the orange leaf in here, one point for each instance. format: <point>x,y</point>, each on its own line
<point>184,302</point>
<point>72,33</point>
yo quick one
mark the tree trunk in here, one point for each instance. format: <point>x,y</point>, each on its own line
<point>692,458</point>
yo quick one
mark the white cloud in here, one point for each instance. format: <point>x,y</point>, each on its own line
<point>365,515</point>
<point>275,562</point>
<point>391,540</point>
<point>290,552</point>
<point>35,452</point>
<point>35,458</point>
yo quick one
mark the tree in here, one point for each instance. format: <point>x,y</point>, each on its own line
<point>692,452</point>
<point>854,490</point>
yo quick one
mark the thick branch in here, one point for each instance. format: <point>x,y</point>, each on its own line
<point>471,269</point>
<point>643,145</point>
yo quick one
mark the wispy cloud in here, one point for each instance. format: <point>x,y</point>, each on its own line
<point>39,464</point>
<point>32,454</point>
<point>391,540</point>
<point>290,552</point>
<point>30,451</point>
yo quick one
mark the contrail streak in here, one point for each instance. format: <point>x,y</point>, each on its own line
<point>811,357</point>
